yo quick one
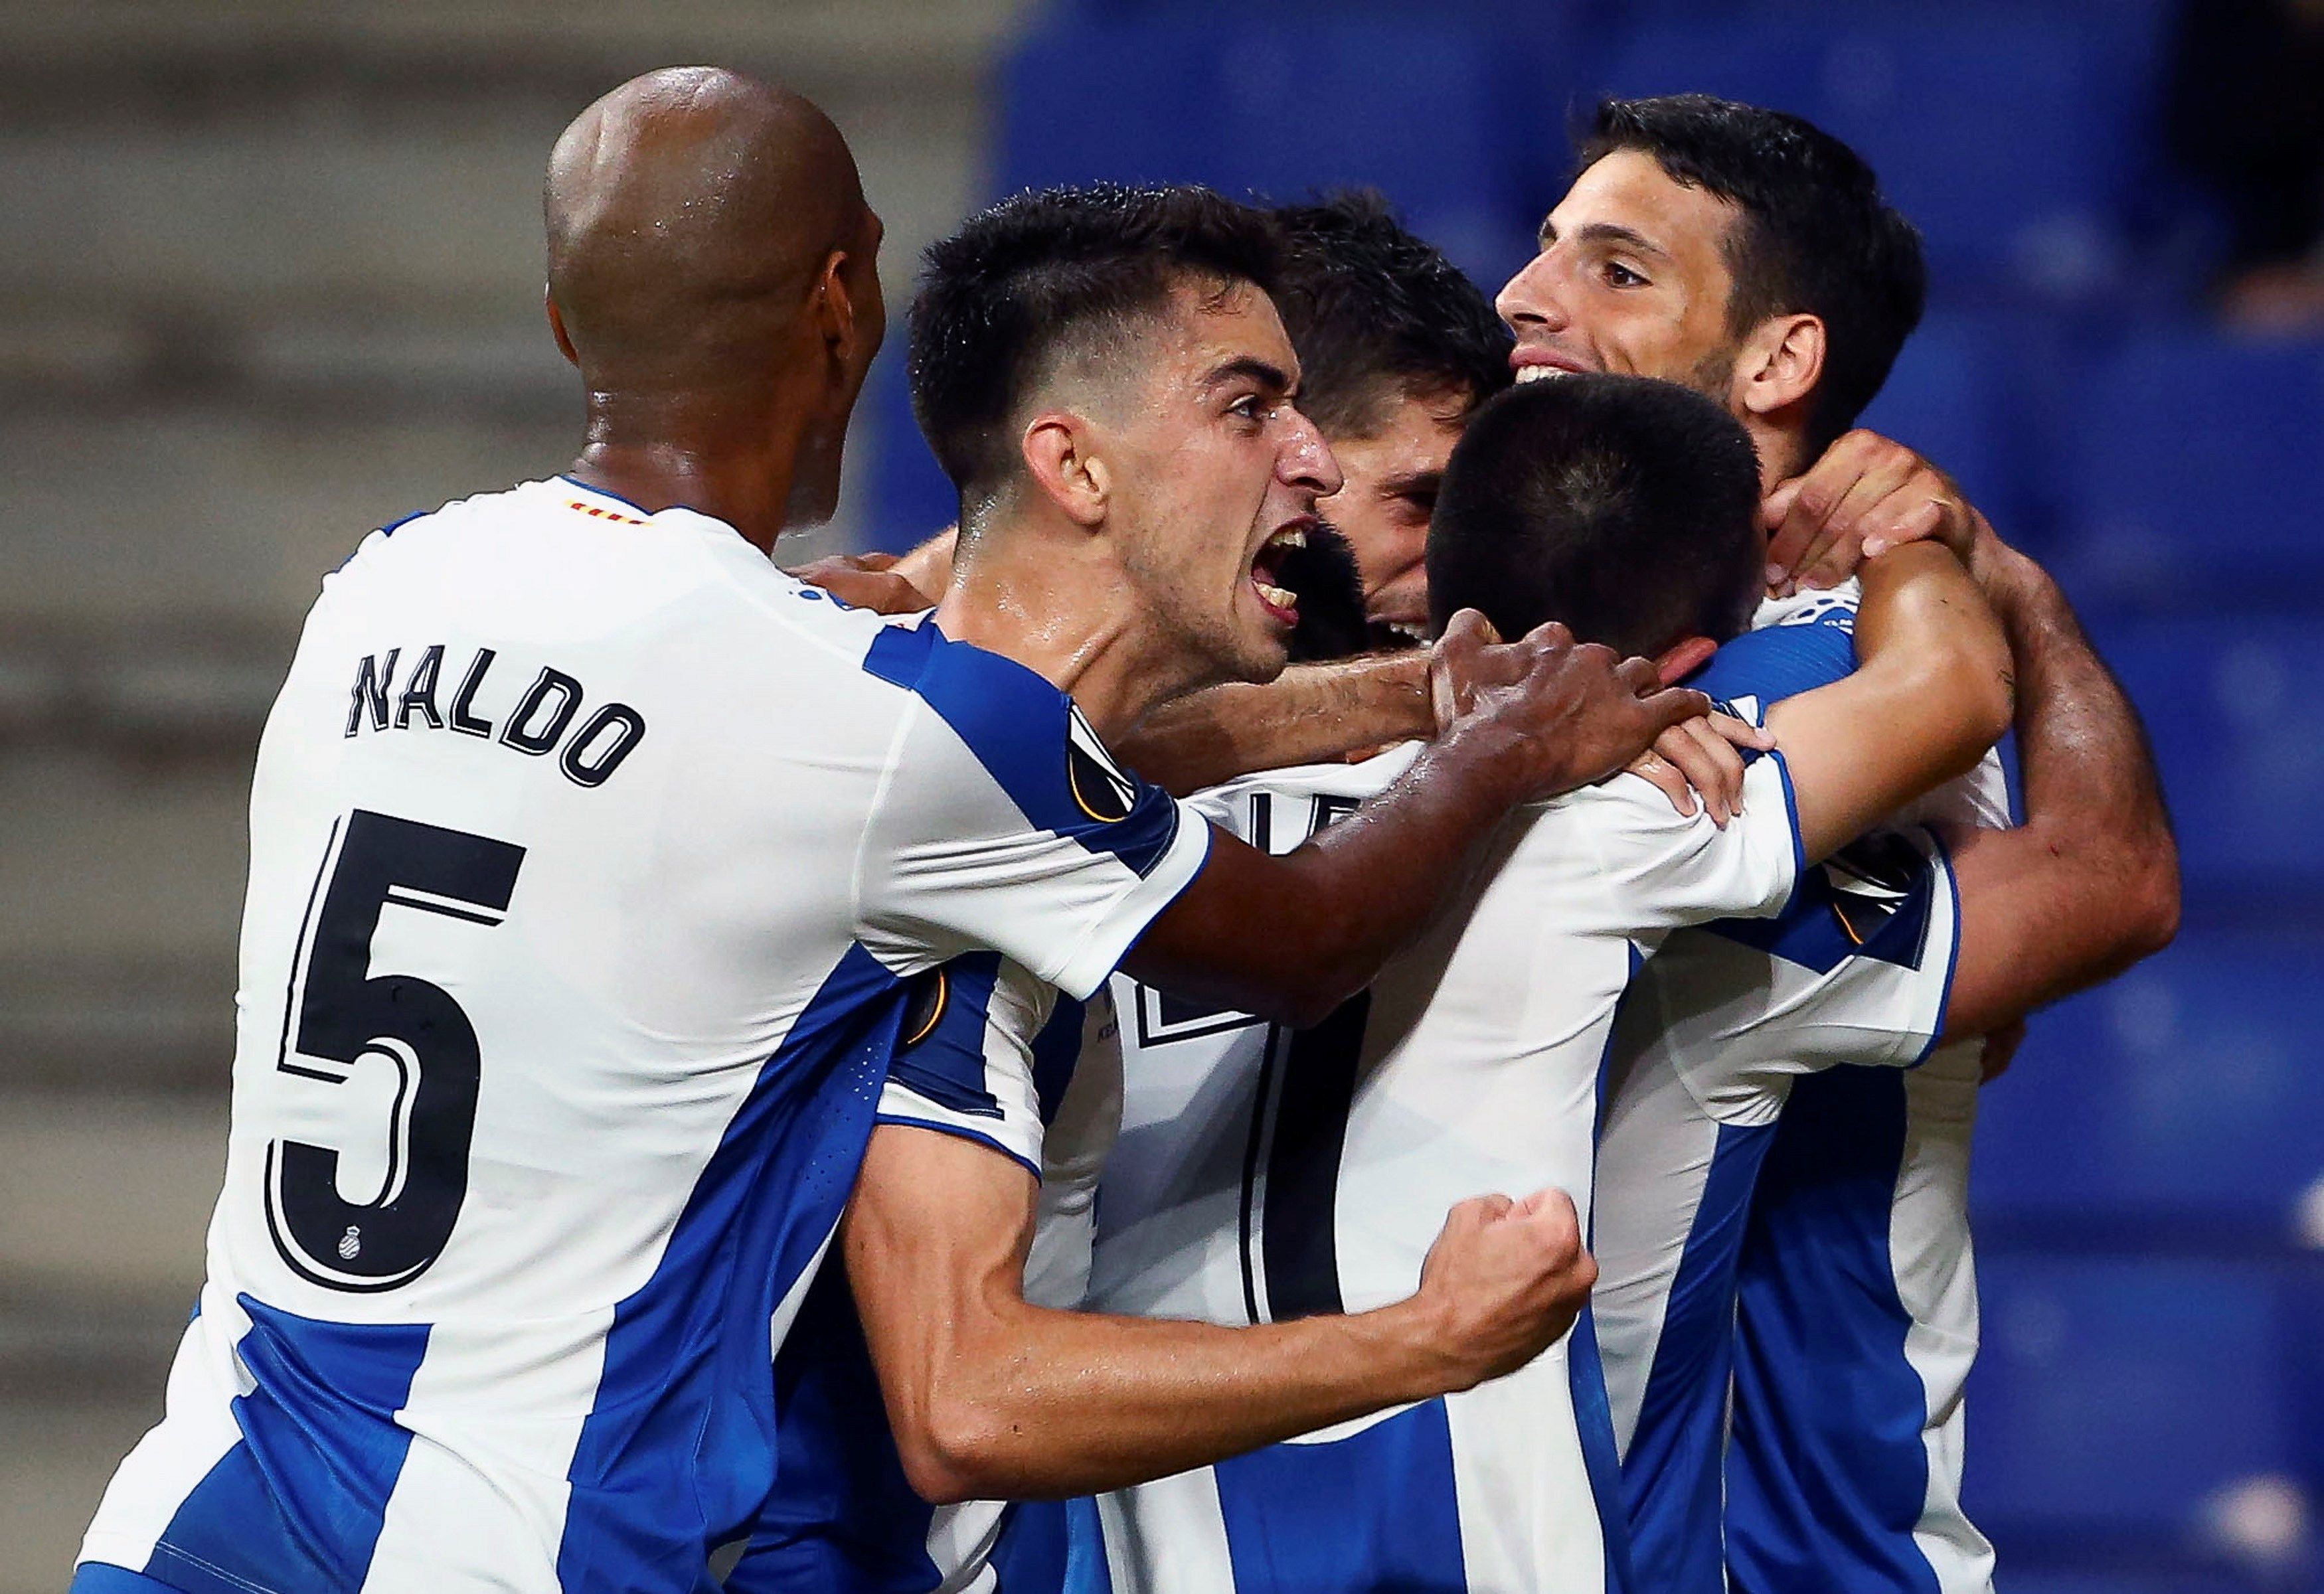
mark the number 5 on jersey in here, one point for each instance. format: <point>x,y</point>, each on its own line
<point>397,1031</point>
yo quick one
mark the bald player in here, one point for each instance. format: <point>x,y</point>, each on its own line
<point>590,854</point>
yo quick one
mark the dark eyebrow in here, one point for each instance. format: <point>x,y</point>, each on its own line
<point>1606,231</point>
<point>1412,483</point>
<point>1251,368</point>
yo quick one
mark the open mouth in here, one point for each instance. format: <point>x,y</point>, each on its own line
<point>1281,603</point>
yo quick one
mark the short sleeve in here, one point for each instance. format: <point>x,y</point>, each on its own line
<point>1003,824</point>
<point>1662,869</point>
<point>1857,970</point>
<point>968,1063</point>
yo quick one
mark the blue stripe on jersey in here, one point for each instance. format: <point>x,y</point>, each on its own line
<point>299,1503</point>
<point>95,1576</point>
<point>1780,661</point>
<point>1035,1549</point>
<point>680,1445</point>
<point>945,1059</point>
<point>1826,1475</point>
<point>1671,1475</point>
<point>1087,1571</point>
<point>1022,730</point>
<point>841,1514</point>
<point>1374,1510</point>
<point>1056,1052</point>
<point>1593,1423</point>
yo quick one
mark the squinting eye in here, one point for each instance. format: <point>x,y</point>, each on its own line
<point>1253,408</point>
<point>1622,276</point>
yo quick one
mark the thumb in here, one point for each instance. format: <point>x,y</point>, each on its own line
<point>1778,502</point>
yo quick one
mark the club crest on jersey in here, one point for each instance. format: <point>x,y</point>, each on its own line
<point>1871,880</point>
<point>1100,788</point>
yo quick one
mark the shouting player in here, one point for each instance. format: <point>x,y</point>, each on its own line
<point>591,853</point>
<point>1749,254</point>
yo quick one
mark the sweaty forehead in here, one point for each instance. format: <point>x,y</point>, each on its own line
<point>1217,329</point>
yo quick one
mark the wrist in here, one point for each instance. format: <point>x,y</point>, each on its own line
<point>1411,1344</point>
<point>1480,756</point>
<point>1400,687</point>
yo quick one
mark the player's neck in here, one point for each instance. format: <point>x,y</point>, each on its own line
<point>1073,621</point>
<point>743,478</point>
<point>1782,448</point>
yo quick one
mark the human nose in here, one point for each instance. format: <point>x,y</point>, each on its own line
<point>1307,461</point>
<point>1530,298</point>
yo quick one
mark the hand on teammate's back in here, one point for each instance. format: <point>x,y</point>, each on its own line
<point>1867,494</point>
<point>1503,1282</point>
<point>867,581</point>
<point>1557,714</point>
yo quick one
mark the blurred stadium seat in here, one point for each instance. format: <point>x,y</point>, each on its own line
<point>1430,111</point>
<point>2008,135</point>
<point>2193,472</point>
<point>2133,1398</point>
<point>2140,1102</point>
<point>2219,691</point>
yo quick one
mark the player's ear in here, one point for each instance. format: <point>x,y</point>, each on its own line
<point>1058,450</point>
<point>1779,364</point>
<point>834,309</point>
<point>556,326</point>
<point>1682,660</point>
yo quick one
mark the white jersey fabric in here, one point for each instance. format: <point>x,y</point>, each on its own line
<point>1724,1026</point>
<point>589,854</point>
<point>1264,1173</point>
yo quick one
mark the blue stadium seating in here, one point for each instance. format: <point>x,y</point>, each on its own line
<point>2116,1397</point>
<point>910,498</point>
<point>1951,397</point>
<point>1428,111</point>
<point>2189,1092</point>
<point>2195,472</point>
<point>2008,135</point>
<point>2221,696</point>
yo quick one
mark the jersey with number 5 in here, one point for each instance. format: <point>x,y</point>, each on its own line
<point>588,851</point>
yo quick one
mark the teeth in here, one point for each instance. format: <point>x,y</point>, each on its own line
<point>1276,594</point>
<point>1539,373</point>
<point>1292,536</point>
<point>1409,628</point>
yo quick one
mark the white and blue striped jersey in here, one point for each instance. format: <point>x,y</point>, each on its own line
<point>589,854</point>
<point>1263,1173</point>
<point>986,1059</point>
<point>1715,1036</point>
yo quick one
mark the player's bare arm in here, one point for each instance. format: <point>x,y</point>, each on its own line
<point>2090,884</point>
<point>1931,693</point>
<point>1311,713</point>
<point>1291,938</point>
<point>991,1397</point>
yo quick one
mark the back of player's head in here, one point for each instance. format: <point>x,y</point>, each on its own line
<point>1047,278</point>
<point>1625,507</point>
<point>1378,314</point>
<point>1816,236</point>
<point>689,213</point>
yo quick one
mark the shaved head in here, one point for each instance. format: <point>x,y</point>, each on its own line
<point>690,213</point>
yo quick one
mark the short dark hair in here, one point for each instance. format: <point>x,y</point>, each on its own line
<point>1002,297</point>
<point>1626,507</point>
<point>1372,308</point>
<point>1329,588</point>
<point>1815,235</point>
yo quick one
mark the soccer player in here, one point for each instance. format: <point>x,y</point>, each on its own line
<point>1900,940</point>
<point>1747,254</point>
<point>590,856</point>
<point>1395,349</point>
<point>1266,1174</point>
